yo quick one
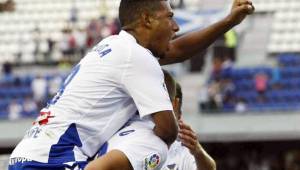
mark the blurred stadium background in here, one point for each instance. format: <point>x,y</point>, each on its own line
<point>242,98</point>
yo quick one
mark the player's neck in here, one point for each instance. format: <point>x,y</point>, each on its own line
<point>140,36</point>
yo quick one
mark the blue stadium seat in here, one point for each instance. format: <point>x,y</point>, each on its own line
<point>3,114</point>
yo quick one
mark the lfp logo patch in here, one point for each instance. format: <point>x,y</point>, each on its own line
<point>152,162</point>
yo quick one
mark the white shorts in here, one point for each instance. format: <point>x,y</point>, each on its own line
<point>143,148</point>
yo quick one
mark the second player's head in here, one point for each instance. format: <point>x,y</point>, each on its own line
<point>170,85</point>
<point>151,22</point>
<point>178,99</point>
<point>175,93</point>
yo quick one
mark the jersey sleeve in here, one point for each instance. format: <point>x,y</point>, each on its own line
<point>144,82</point>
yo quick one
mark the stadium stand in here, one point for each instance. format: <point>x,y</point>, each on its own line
<point>281,91</point>
<point>285,34</point>
<point>17,28</point>
<point>18,90</point>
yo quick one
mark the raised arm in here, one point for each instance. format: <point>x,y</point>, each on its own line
<point>186,46</point>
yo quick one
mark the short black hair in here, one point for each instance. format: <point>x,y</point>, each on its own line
<point>131,10</point>
<point>171,85</point>
<point>179,93</point>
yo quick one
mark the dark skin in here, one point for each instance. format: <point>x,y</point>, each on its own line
<point>156,32</point>
<point>189,139</point>
<point>188,45</point>
<point>148,28</point>
<point>7,6</point>
<point>150,33</point>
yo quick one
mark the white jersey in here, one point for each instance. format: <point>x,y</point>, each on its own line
<point>144,150</point>
<point>179,158</point>
<point>113,81</point>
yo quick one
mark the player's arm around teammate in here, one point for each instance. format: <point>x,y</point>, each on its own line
<point>186,46</point>
<point>189,139</point>
<point>136,146</point>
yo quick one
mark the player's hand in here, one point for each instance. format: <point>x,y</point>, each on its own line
<point>240,9</point>
<point>189,138</point>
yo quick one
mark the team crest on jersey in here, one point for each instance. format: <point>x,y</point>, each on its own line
<point>152,162</point>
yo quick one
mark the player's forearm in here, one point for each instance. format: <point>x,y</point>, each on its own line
<point>188,45</point>
<point>166,126</point>
<point>204,161</point>
<point>166,134</point>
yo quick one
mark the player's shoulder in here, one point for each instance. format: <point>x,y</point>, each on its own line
<point>138,51</point>
<point>117,43</point>
<point>112,48</point>
<point>126,46</point>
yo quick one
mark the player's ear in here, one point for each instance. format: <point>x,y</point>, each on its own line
<point>147,20</point>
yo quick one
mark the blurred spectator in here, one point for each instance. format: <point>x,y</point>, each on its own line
<point>74,14</point>
<point>106,27</point>
<point>241,106</point>
<point>215,96</point>
<point>227,63</point>
<point>9,5</point>
<point>220,86</point>
<point>49,52</point>
<point>261,83</point>
<point>29,107</point>
<point>68,43</point>
<point>93,33</point>
<point>17,82</point>
<point>227,92</point>
<point>14,110</point>
<point>7,70</point>
<point>227,87</point>
<point>54,84</point>
<point>216,69</point>
<point>37,43</point>
<point>80,38</point>
<point>203,99</point>
<point>39,88</point>
<point>115,26</point>
<point>276,77</point>
<point>231,41</point>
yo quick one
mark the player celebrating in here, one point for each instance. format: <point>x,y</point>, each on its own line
<point>119,76</point>
<point>187,153</point>
<point>136,147</point>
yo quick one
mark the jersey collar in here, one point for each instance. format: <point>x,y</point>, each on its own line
<point>127,36</point>
<point>131,38</point>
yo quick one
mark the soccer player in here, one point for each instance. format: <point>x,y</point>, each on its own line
<point>136,146</point>
<point>117,78</point>
<point>187,153</point>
